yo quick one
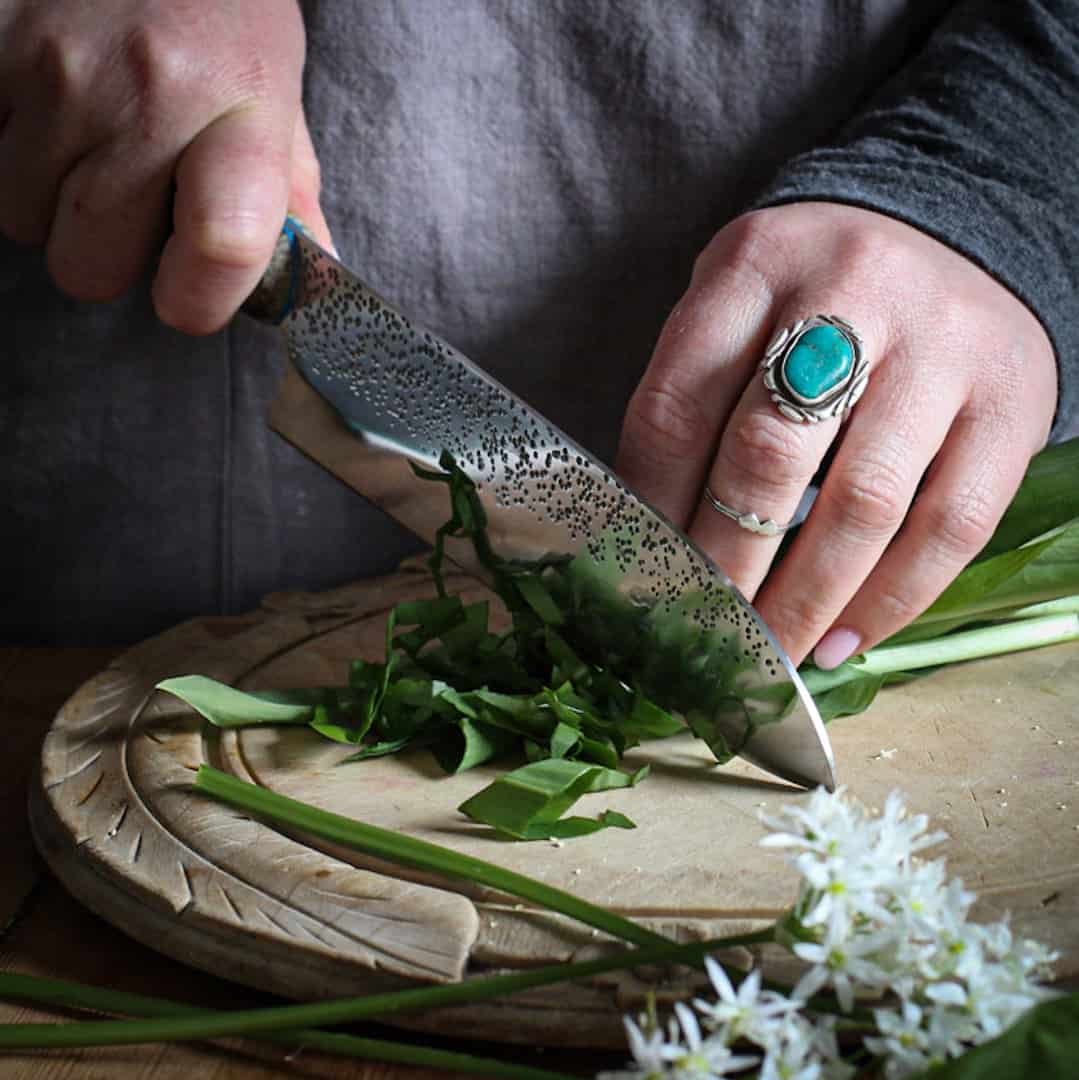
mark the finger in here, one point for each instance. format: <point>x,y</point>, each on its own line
<point>48,126</point>
<point>306,183</point>
<point>893,435</point>
<point>975,476</point>
<point>37,148</point>
<point>765,460</point>
<point>232,190</point>
<point>110,217</point>
<point>701,361</point>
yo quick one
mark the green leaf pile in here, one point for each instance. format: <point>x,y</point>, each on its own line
<point>447,682</point>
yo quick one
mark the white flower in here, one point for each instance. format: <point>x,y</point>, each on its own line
<point>704,1058</point>
<point>820,827</point>
<point>921,897</point>
<point>904,1042</point>
<point>990,992</point>
<point>898,836</point>
<point>652,1051</point>
<point>790,1053</point>
<point>803,1051</point>
<point>826,1047</point>
<point>747,1012</point>
<point>680,1053</point>
<point>951,1031</point>
<point>854,865</point>
<point>954,946</point>
<point>842,961</point>
<point>872,917</point>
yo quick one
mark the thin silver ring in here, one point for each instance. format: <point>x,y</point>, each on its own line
<point>806,395</point>
<point>749,521</point>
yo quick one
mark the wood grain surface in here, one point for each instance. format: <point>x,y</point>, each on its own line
<point>45,931</point>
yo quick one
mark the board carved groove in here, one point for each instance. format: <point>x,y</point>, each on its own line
<point>115,817</point>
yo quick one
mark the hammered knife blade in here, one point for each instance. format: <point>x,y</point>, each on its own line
<point>368,392</point>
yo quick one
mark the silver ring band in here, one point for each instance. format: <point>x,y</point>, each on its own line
<point>815,369</point>
<point>749,521</point>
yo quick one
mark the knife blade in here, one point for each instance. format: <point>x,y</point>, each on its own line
<point>368,393</point>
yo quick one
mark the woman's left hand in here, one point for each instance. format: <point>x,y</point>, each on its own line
<point>961,393</point>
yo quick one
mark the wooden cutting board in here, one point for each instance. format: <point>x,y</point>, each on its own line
<point>989,750</point>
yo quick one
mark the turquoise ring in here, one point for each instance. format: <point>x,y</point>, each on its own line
<point>815,369</point>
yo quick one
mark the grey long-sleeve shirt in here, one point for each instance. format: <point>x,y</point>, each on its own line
<point>976,142</point>
<point>533,182</point>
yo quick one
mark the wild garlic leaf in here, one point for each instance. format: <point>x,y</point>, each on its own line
<point>377,749</point>
<point>1048,496</point>
<point>466,743</point>
<point>528,802</point>
<point>855,696</point>
<point>225,706</point>
<point>569,828</point>
<point>968,593</point>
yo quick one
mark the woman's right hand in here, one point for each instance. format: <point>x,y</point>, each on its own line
<point>119,112</point>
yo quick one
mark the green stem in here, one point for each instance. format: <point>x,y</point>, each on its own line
<point>1064,605</point>
<point>408,851</point>
<point>79,996</point>
<point>204,1024</point>
<point>972,644</point>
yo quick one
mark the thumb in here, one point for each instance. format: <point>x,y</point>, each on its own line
<point>232,192</point>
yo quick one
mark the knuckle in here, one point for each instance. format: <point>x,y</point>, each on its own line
<point>167,66</point>
<point>750,246</point>
<point>798,615</point>
<point>237,240</point>
<point>666,422</point>
<point>871,498</point>
<point>895,605</point>
<point>63,64</point>
<point>870,253</point>
<point>254,76</point>
<point>960,526</point>
<point>766,451</point>
<point>159,67</point>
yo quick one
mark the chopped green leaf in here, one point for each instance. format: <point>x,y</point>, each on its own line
<point>225,706</point>
<point>467,743</point>
<point>377,749</point>
<point>564,740</point>
<point>528,802</point>
<point>539,599</point>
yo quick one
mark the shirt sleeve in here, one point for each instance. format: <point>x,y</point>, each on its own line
<point>976,142</point>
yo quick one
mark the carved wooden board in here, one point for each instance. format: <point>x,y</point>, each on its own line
<point>990,751</point>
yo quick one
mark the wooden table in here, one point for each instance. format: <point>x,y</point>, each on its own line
<point>45,932</point>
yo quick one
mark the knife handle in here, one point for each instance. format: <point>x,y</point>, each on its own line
<point>275,294</point>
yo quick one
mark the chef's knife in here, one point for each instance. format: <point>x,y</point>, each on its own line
<point>368,393</point>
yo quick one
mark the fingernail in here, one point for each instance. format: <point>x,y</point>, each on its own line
<point>835,647</point>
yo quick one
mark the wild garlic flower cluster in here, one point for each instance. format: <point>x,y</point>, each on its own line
<point>916,982</point>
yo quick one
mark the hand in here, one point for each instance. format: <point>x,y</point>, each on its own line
<point>961,393</point>
<point>115,112</point>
